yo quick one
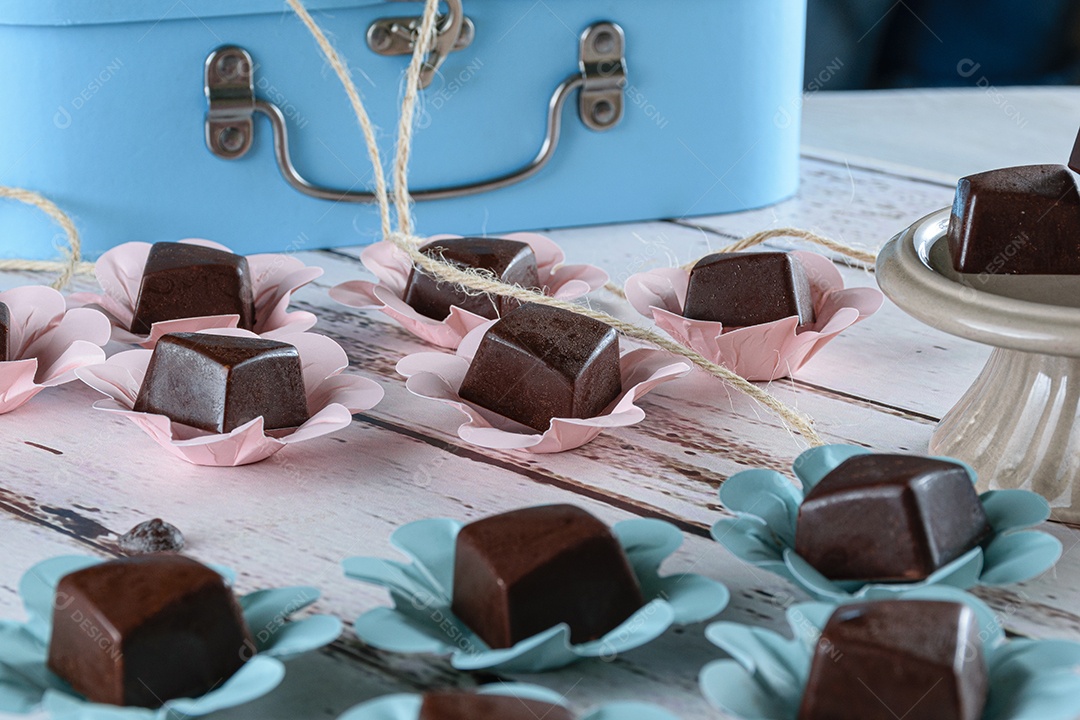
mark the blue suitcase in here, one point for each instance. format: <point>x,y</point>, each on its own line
<point>157,120</point>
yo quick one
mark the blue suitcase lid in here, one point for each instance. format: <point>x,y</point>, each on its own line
<point>106,12</point>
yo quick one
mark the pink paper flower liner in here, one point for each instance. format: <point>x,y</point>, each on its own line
<point>438,376</point>
<point>274,278</point>
<point>332,400</point>
<point>392,267</point>
<point>759,352</point>
<point>47,343</point>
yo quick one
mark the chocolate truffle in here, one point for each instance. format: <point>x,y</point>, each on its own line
<point>217,382</point>
<point>5,333</point>
<point>472,706</point>
<point>144,630</point>
<point>889,517</point>
<point>540,362</point>
<point>747,288</point>
<point>182,281</point>
<point>1016,221</point>
<point>522,572</point>
<point>509,261</point>
<point>914,659</point>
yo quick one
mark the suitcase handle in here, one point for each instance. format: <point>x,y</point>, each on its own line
<point>230,92</point>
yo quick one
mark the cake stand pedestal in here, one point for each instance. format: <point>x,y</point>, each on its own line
<point>1019,424</point>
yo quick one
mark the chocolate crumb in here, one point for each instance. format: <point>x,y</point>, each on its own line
<point>150,537</point>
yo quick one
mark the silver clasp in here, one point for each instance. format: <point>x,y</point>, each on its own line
<point>399,35</point>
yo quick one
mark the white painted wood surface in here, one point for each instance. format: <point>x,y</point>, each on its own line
<point>946,132</point>
<point>293,518</point>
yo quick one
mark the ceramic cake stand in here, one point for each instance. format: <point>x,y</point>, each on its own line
<point>1019,424</point>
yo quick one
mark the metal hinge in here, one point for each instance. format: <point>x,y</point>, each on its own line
<point>230,93</point>
<point>603,65</point>
<point>399,35</point>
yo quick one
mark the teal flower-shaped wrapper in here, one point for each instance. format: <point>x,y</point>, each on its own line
<point>765,679</point>
<point>407,707</point>
<point>27,685</point>
<point>421,620</point>
<point>766,505</point>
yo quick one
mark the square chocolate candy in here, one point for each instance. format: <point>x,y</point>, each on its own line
<point>1016,221</point>
<point>471,706</point>
<point>747,288</point>
<point>522,572</point>
<point>540,362</point>
<point>144,630</point>
<point>181,280</point>
<point>5,333</point>
<point>914,659</point>
<point>889,517</point>
<point>509,261</point>
<point>218,383</point>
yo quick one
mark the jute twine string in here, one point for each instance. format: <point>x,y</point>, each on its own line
<point>72,262</point>
<point>765,235</point>
<point>786,232</point>
<point>478,282</point>
<point>469,279</point>
<point>405,123</point>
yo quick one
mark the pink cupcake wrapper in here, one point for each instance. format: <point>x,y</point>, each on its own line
<point>274,278</point>
<point>392,268</point>
<point>760,352</point>
<point>47,343</point>
<point>332,399</point>
<point>438,376</point>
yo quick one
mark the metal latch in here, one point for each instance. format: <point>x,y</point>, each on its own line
<point>399,35</point>
<point>603,65</point>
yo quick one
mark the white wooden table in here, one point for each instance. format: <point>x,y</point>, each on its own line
<point>292,519</point>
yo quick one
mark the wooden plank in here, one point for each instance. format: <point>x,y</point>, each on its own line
<point>668,466</point>
<point>947,131</point>
<point>861,207</point>
<point>293,518</point>
<point>292,521</point>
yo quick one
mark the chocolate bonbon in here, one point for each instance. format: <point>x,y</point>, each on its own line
<point>182,280</point>
<point>144,630</point>
<point>508,261</point>
<point>218,383</point>
<point>915,659</point>
<point>1016,221</point>
<point>748,288</point>
<point>540,362</point>
<point>474,706</point>
<point>889,518</point>
<point>522,572</point>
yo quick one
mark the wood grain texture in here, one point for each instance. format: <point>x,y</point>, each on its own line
<point>950,132</point>
<point>72,485</point>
